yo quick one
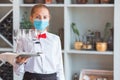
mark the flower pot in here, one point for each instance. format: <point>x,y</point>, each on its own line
<point>60,1</point>
<point>29,1</point>
<point>101,46</point>
<point>78,45</point>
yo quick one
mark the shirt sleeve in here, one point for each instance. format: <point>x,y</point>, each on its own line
<point>18,69</point>
<point>60,71</point>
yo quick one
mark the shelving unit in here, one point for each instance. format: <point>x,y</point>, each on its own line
<point>62,16</point>
<point>5,11</point>
<point>86,16</point>
<point>6,69</point>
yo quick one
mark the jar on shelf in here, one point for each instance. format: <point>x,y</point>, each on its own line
<point>110,40</point>
<point>87,46</point>
<point>81,1</point>
<point>89,39</point>
<point>97,38</point>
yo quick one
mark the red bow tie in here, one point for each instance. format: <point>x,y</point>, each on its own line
<point>41,36</point>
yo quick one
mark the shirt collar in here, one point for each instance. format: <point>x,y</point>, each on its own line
<point>45,31</point>
<point>36,32</point>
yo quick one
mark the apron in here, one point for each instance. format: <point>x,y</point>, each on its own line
<point>35,76</point>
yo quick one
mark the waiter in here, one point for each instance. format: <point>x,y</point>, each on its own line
<point>49,65</point>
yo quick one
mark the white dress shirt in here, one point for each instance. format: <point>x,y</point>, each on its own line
<point>50,61</point>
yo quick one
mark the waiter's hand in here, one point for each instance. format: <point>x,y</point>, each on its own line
<point>21,60</point>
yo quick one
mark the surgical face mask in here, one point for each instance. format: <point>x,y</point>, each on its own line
<point>40,24</point>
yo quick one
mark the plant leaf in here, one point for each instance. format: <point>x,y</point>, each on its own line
<point>75,30</point>
<point>106,31</point>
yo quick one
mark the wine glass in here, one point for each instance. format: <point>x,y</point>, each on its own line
<point>15,34</point>
<point>15,38</point>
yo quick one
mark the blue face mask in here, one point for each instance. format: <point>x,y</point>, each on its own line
<point>40,24</point>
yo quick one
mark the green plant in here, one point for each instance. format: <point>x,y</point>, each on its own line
<point>76,31</point>
<point>107,31</point>
<point>25,24</point>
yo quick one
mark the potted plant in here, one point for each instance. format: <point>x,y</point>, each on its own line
<point>102,45</point>
<point>77,44</point>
